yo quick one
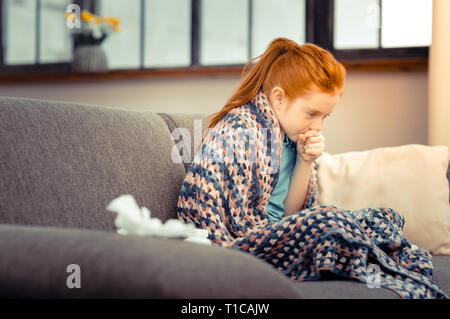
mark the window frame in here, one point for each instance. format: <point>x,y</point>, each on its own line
<point>320,27</point>
<point>36,68</point>
<point>319,30</point>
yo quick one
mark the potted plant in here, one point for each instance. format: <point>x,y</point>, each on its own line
<point>87,40</point>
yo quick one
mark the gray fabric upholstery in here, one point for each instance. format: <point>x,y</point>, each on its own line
<point>342,289</point>
<point>186,120</point>
<point>34,262</point>
<point>441,272</point>
<point>62,163</point>
<point>353,289</point>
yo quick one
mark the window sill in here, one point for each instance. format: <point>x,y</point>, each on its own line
<point>396,65</point>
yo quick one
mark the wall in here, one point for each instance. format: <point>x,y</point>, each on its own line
<point>377,109</point>
<point>439,66</point>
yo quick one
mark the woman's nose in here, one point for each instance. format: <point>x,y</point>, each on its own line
<point>316,125</point>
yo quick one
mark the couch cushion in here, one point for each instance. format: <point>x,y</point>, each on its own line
<point>62,163</point>
<point>441,272</point>
<point>34,262</point>
<point>342,289</point>
<point>352,289</point>
<point>411,179</point>
<point>195,123</point>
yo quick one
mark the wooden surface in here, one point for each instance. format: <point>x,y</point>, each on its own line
<point>391,65</point>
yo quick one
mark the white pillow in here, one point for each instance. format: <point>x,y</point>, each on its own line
<point>411,179</point>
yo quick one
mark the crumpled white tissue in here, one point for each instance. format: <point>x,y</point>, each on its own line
<point>137,221</point>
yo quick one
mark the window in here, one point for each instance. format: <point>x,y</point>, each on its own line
<point>20,37</point>
<point>234,31</point>
<point>385,28</point>
<point>224,32</point>
<point>34,37</point>
<point>403,23</point>
<point>185,34</point>
<point>123,49</point>
<point>55,43</point>
<point>356,24</point>
<point>167,33</point>
<point>272,19</point>
<point>30,35</point>
<point>406,23</point>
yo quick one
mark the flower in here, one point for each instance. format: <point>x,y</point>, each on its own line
<point>94,29</point>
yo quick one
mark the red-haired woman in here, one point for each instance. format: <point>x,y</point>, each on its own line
<point>252,183</point>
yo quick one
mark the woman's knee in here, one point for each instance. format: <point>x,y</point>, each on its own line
<point>328,213</point>
<point>327,209</point>
<point>318,212</point>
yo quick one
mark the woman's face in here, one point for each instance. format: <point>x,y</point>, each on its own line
<point>304,113</point>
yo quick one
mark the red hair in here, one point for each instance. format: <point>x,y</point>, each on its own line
<point>295,68</point>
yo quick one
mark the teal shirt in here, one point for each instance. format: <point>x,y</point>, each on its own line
<point>275,206</point>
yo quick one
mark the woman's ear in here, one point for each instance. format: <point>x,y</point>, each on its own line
<point>278,97</point>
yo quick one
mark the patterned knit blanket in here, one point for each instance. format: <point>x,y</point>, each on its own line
<point>228,186</point>
<point>366,245</point>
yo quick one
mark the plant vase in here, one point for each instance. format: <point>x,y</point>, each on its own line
<point>89,57</point>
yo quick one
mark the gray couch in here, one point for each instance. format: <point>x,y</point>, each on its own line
<point>61,164</point>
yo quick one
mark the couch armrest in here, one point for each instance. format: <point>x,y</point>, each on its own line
<point>35,259</point>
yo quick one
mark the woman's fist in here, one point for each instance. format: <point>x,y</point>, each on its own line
<point>311,145</point>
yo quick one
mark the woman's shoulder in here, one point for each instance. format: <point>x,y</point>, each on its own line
<point>233,130</point>
<point>240,117</point>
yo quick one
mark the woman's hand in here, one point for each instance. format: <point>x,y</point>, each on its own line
<point>311,145</point>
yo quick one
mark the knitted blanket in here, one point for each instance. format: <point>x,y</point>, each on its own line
<point>228,186</point>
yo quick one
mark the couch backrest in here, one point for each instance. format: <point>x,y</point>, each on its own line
<point>62,163</point>
<point>186,130</point>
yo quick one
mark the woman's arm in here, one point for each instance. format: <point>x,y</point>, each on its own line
<point>309,147</point>
<point>298,187</point>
